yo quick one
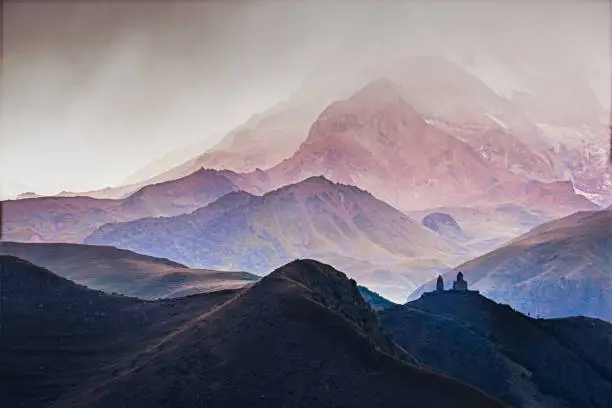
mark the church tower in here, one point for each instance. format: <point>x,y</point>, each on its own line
<point>460,284</point>
<point>440,284</point>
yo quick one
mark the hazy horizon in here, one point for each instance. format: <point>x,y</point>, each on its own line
<point>92,92</point>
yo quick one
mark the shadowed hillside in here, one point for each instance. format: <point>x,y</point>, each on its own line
<point>374,299</point>
<point>301,337</point>
<point>525,362</point>
<point>57,335</point>
<point>117,270</point>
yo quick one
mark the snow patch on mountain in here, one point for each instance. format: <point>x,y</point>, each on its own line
<point>496,120</point>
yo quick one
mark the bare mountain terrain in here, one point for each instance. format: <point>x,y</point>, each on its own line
<point>446,94</point>
<point>533,129</point>
<point>303,336</point>
<point>349,139</point>
<point>120,271</point>
<point>536,131</point>
<point>561,268</point>
<point>525,362</point>
<point>378,141</point>
<point>383,248</point>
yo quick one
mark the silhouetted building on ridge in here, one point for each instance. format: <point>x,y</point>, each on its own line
<point>459,286</point>
<point>440,284</point>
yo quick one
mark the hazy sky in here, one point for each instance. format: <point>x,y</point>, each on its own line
<point>92,91</point>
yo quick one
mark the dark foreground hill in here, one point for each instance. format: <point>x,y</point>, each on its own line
<point>56,335</point>
<point>301,337</point>
<point>525,362</point>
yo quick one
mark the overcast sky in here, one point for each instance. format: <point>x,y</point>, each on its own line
<point>92,91</point>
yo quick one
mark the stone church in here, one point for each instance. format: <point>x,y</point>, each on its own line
<point>459,285</point>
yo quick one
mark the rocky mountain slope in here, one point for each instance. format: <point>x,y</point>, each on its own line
<point>379,141</point>
<point>535,129</point>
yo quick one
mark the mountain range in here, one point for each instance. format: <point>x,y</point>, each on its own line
<point>425,136</point>
<point>560,268</point>
<point>71,219</point>
<point>402,146</point>
<point>304,324</point>
<point>502,130</point>
<point>376,140</point>
<point>383,248</point>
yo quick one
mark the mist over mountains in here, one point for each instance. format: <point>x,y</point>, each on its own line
<point>266,204</point>
<point>405,145</point>
<point>156,61</point>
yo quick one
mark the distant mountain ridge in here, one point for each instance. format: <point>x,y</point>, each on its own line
<point>338,223</point>
<point>561,268</point>
<point>350,137</point>
<point>166,161</point>
<point>71,219</point>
